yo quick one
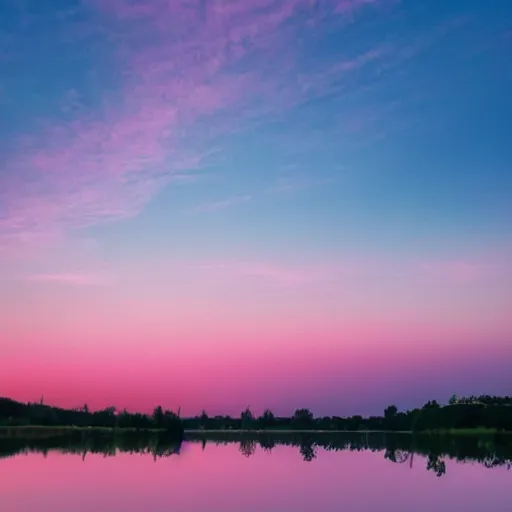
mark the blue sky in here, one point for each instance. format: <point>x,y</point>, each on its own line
<point>336,172</point>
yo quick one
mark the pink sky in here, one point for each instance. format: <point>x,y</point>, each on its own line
<point>277,203</point>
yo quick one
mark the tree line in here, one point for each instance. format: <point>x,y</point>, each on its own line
<point>484,412</point>
<point>14,413</point>
<point>432,416</point>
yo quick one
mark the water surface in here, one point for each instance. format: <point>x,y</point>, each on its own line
<point>244,476</point>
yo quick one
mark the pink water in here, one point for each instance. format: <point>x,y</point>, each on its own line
<point>221,479</point>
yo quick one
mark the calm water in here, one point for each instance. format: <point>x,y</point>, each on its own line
<point>245,477</point>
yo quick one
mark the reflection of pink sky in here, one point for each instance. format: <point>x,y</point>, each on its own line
<point>221,479</point>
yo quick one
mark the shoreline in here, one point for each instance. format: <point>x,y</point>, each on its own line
<point>292,431</point>
<point>21,431</point>
<point>40,431</point>
<point>461,431</point>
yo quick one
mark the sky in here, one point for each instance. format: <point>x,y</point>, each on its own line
<point>275,203</point>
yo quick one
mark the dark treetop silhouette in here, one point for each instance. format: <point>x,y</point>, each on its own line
<point>14,413</point>
<point>484,412</point>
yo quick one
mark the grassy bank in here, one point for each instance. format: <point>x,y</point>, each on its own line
<point>37,432</point>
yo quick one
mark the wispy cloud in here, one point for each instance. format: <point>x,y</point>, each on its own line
<point>362,59</point>
<point>280,274</point>
<point>223,203</point>
<point>349,6</point>
<point>178,60</point>
<point>457,270</point>
<point>296,182</point>
<point>71,279</point>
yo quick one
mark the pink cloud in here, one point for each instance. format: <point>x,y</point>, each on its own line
<point>70,279</point>
<point>459,270</point>
<point>280,274</point>
<point>108,164</point>
<point>349,6</point>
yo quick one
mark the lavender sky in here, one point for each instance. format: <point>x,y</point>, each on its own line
<point>283,203</point>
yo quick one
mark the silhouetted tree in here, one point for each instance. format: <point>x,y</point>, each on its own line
<point>484,411</point>
<point>267,419</point>
<point>431,404</point>
<point>203,419</point>
<point>158,417</point>
<point>303,418</point>
<point>247,418</point>
<point>390,412</point>
<point>171,421</point>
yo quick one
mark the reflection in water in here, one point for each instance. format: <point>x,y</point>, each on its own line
<point>436,464</point>
<point>490,451</point>
<point>267,443</point>
<point>307,449</point>
<point>83,442</point>
<point>247,447</point>
<point>238,473</point>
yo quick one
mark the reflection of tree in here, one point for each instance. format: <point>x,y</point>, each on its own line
<point>494,461</point>
<point>390,454</point>
<point>491,461</point>
<point>398,456</point>
<point>491,451</point>
<point>307,449</point>
<point>267,443</point>
<point>247,447</point>
<point>436,464</point>
<point>107,443</point>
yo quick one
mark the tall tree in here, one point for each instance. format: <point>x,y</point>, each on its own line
<point>267,418</point>
<point>247,418</point>
<point>203,419</point>
<point>158,417</point>
<point>390,412</point>
<point>303,418</point>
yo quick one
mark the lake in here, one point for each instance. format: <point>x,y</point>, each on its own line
<point>258,473</point>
